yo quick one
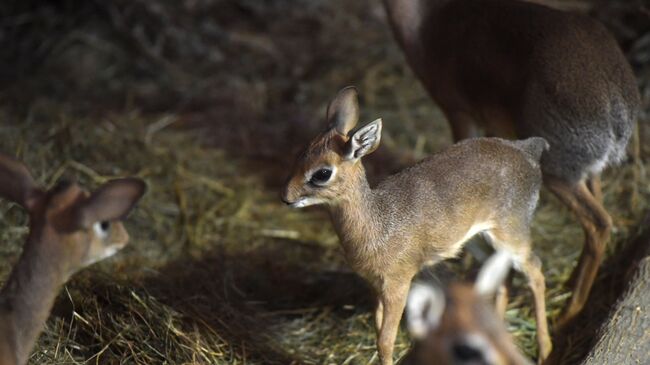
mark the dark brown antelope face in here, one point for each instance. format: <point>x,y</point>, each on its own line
<point>457,327</point>
<point>83,227</point>
<point>327,167</point>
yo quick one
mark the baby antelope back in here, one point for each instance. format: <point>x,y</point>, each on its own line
<point>69,229</point>
<point>458,326</point>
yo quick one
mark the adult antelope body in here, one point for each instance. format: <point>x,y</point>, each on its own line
<point>422,214</point>
<point>515,68</point>
<point>68,229</point>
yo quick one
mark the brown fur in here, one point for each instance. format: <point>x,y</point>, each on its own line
<point>425,213</point>
<point>61,241</point>
<point>520,69</point>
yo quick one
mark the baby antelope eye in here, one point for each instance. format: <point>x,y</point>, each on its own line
<point>105,225</point>
<point>320,176</point>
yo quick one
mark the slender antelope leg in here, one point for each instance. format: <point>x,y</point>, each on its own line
<point>532,268</point>
<point>595,187</point>
<point>501,302</point>
<point>462,125</point>
<point>379,315</point>
<point>596,224</point>
<point>394,300</point>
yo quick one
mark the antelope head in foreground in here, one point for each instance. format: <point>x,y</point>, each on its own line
<point>458,326</point>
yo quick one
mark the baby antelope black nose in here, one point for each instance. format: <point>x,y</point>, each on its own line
<point>285,201</point>
<point>464,353</point>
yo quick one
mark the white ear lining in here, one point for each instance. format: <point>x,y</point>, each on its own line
<point>493,273</point>
<point>365,140</point>
<point>424,308</point>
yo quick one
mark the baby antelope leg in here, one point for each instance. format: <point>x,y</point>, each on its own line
<point>501,302</point>
<point>379,315</point>
<point>393,298</point>
<point>532,268</point>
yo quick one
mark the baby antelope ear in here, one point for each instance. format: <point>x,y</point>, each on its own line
<point>493,273</point>
<point>16,183</point>
<point>112,201</point>
<point>364,141</point>
<point>424,309</point>
<point>343,111</point>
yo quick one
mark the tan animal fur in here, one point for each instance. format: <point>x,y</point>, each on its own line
<point>68,229</point>
<point>423,214</point>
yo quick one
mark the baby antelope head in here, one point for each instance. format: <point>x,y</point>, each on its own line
<point>74,227</point>
<point>458,327</point>
<point>329,166</point>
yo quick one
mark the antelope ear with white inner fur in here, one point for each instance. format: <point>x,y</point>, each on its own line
<point>493,273</point>
<point>424,309</point>
<point>364,141</point>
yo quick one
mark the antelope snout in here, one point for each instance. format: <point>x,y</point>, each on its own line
<point>284,199</point>
<point>288,197</point>
<point>296,200</point>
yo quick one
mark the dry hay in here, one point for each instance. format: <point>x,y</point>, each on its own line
<point>218,270</point>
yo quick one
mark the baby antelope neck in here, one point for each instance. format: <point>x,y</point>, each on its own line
<point>29,294</point>
<point>357,222</point>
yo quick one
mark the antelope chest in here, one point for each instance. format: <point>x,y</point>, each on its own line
<point>370,260</point>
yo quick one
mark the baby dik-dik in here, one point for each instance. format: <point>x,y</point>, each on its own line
<point>69,229</point>
<point>514,68</point>
<point>458,326</point>
<point>423,214</point>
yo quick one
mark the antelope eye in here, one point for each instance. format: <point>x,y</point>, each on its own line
<point>101,228</point>
<point>321,176</point>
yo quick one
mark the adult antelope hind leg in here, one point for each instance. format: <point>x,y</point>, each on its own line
<point>596,224</point>
<point>595,187</point>
<point>462,125</point>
